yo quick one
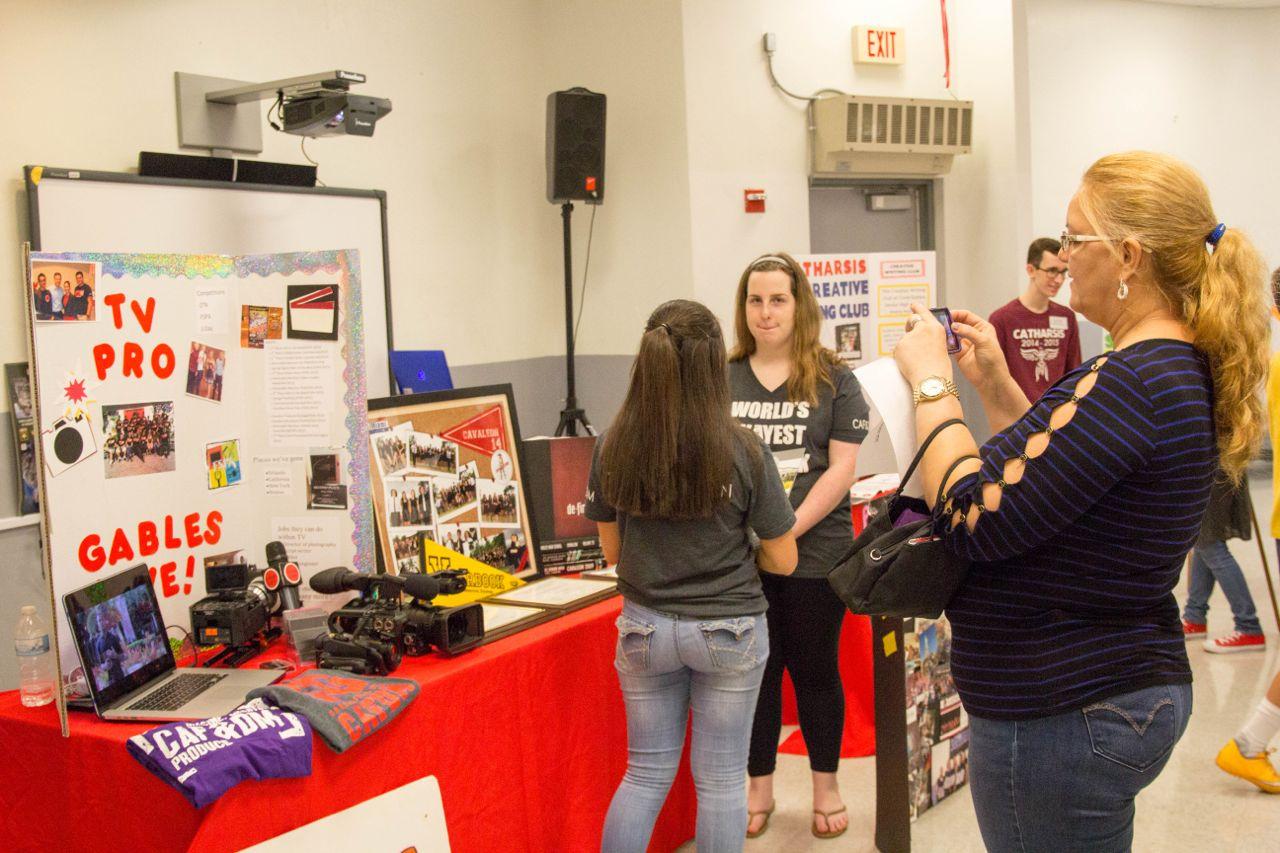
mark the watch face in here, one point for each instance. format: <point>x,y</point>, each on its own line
<point>932,387</point>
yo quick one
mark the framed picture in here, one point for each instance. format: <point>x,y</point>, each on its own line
<point>18,384</point>
<point>559,593</point>
<point>446,470</point>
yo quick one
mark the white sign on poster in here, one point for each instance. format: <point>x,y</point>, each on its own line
<point>409,818</point>
<point>865,298</point>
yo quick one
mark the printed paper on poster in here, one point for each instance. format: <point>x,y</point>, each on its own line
<point>300,394</point>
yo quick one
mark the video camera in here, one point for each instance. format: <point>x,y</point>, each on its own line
<point>238,606</point>
<point>372,632</point>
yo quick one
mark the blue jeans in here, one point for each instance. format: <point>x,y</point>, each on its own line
<point>1068,782</point>
<point>666,664</point>
<point>1215,563</point>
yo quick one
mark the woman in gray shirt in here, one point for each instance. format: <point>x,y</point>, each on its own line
<point>676,488</point>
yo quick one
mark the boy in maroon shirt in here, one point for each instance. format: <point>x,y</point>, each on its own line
<point>1039,337</point>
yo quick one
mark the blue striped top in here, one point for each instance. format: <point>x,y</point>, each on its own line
<point>1069,598</point>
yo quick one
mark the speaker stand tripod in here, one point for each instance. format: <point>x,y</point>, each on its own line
<point>570,416</point>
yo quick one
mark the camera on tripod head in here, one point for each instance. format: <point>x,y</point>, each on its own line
<point>372,632</point>
<point>238,606</point>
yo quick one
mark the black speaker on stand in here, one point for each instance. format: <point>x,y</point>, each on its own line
<point>575,172</point>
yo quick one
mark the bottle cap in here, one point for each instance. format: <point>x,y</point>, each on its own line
<point>28,608</point>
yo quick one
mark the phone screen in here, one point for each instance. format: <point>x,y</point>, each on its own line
<point>944,317</point>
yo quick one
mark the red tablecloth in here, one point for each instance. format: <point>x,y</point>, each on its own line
<point>527,737</point>
<point>856,674</point>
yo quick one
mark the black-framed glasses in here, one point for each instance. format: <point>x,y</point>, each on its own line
<point>1053,273</point>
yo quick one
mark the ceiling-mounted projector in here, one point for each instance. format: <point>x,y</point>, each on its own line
<point>332,114</point>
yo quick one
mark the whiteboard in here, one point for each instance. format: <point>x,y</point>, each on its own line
<point>85,211</point>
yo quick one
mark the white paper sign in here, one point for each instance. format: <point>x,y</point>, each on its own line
<point>277,473</point>
<point>211,310</point>
<point>315,544</point>
<point>890,444</point>
<point>300,393</point>
<point>409,818</point>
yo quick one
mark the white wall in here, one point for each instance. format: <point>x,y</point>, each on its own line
<point>743,133</point>
<point>1113,75</point>
<point>475,246</point>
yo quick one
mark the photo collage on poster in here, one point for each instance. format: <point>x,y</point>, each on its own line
<point>448,475</point>
<point>937,727</point>
<point>142,437</point>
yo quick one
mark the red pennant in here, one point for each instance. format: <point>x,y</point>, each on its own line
<point>484,432</point>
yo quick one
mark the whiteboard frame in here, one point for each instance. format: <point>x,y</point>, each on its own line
<point>84,175</point>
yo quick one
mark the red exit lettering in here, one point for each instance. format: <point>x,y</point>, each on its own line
<point>882,44</point>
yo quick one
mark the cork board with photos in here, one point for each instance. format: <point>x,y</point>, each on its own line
<point>448,489</point>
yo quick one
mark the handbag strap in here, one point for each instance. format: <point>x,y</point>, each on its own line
<point>943,482</point>
<point>924,446</point>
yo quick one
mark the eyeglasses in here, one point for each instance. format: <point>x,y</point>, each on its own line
<point>1069,240</point>
<point>1052,273</point>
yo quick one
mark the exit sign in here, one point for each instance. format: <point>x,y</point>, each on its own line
<point>879,45</point>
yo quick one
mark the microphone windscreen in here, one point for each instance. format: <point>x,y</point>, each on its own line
<point>329,581</point>
<point>276,553</point>
<point>423,587</point>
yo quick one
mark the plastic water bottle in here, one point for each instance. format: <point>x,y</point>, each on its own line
<point>35,659</point>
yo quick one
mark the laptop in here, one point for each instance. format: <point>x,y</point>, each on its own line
<point>418,371</point>
<point>119,633</point>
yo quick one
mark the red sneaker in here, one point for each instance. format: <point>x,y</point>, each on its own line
<point>1236,642</point>
<point>1191,630</point>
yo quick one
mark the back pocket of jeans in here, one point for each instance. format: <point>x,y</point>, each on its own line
<point>634,639</point>
<point>1136,730</point>
<point>732,643</point>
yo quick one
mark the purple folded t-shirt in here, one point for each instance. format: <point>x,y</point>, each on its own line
<point>203,759</point>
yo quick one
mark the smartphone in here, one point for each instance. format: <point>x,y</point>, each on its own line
<point>943,316</point>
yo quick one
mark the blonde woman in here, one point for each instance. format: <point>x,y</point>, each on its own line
<point>807,406</point>
<point>1068,650</point>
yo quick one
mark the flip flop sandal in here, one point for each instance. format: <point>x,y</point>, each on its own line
<point>767,814</point>
<point>827,816</point>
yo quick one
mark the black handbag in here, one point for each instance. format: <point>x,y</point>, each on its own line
<point>896,565</point>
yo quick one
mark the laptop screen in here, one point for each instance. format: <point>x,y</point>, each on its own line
<point>119,634</point>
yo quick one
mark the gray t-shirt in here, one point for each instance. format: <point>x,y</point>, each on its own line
<point>798,434</point>
<point>703,567</point>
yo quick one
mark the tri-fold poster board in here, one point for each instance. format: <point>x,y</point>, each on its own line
<point>189,407</point>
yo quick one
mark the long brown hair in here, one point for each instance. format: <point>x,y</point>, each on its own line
<point>670,451</point>
<point>1217,291</point>
<point>811,362</point>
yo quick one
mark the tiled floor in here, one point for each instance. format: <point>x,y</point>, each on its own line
<point>1193,806</point>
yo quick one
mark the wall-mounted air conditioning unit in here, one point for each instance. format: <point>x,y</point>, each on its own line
<point>888,137</point>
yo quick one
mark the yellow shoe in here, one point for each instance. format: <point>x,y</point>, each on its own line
<point>1257,770</point>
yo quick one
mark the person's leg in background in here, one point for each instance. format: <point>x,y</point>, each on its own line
<point>767,724</point>
<point>1245,755</point>
<point>727,657</point>
<point>655,689</point>
<point>1199,587</point>
<point>1247,635</point>
<point>815,619</point>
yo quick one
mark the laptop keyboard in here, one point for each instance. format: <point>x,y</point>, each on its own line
<point>176,693</point>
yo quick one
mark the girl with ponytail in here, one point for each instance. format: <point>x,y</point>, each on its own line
<point>1068,649</point>
<point>680,492</point>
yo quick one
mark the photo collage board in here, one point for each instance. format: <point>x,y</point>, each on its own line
<point>189,409</point>
<point>24,436</point>
<point>448,488</point>
<point>937,726</point>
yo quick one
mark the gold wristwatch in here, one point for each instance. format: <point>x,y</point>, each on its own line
<point>933,388</point>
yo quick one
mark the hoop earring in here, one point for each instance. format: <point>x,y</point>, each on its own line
<point>1122,293</point>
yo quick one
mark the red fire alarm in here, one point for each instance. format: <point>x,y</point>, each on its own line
<point>754,200</point>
